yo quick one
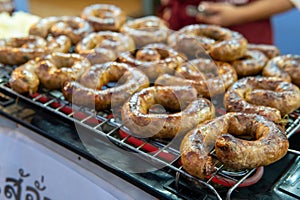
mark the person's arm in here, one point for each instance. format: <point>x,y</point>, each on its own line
<point>225,14</point>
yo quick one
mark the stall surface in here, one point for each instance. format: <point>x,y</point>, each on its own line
<point>102,142</point>
<point>98,138</point>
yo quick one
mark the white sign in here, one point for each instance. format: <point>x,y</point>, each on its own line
<point>27,173</point>
<point>30,171</point>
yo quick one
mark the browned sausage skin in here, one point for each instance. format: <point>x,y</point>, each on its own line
<point>270,51</point>
<point>286,67</point>
<point>60,43</point>
<point>270,142</point>
<point>24,79</point>
<point>187,111</point>
<point>220,43</point>
<point>19,50</point>
<point>208,77</point>
<point>268,96</point>
<point>252,63</point>
<point>52,70</point>
<point>88,91</point>
<point>269,145</point>
<point>104,17</point>
<point>56,68</point>
<point>146,30</point>
<point>153,59</point>
<point>74,27</point>
<point>104,46</point>
<point>15,51</point>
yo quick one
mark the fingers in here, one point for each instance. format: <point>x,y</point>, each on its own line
<point>167,13</point>
<point>211,19</point>
<point>209,12</point>
<point>222,14</point>
<point>164,2</point>
<point>210,7</point>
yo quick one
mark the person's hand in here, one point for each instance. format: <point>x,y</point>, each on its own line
<point>223,14</point>
<point>164,2</point>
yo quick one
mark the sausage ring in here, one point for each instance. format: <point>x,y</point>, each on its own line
<point>104,17</point>
<point>88,90</point>
<point>56,68</point>
<point>250,64</point>
<point>153,59</point>
<point>186,111</point>
<point>270,51</point>
<point>146,30</point>
<point>220,43</point>
<point>14,51</point>
<point>286,67</point>
<point>104,46</point>
<point>268,96</point>
<point>19,50</point>
<point>208,77</point>
<point>60,43</point>
<point>23,79</point>
<point>74,27</point>
<point>270,144</point>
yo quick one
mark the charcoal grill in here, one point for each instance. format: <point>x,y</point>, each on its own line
<point>48,114</point>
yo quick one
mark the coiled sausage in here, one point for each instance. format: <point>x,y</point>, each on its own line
<point>268,96</point>
<point>104,46</point>
<point>286,67</point>
<point>186,111</point>
<point>153,59</point>
<point>56,68</point>
<point>270,51</point>
<point>104,17</point>
<point>19,50</point>
<point>146,30</point>
<point>220,43</point>
<point>269,144</point>
<point>88,91</point>
<point>208,77</point>
<point>73,27</point>
<point>24,79</point>
<point>251,64</point>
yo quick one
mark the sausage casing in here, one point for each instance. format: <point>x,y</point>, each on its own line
<point>88,91</point>
<point>187,111</point>
<point>269,144</point>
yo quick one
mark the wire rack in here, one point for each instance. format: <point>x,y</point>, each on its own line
<point>104,124</point>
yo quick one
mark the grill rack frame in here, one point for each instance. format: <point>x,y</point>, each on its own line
<point>52,97</point>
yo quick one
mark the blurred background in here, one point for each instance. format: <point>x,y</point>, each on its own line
<point>286,25</point>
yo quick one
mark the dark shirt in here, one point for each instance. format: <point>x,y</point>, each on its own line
<point>259,32</point>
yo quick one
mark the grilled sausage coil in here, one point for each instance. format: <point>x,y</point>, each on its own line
<point>60,44</point>
<point>23,79</point>
<point>187,111</point>
<point>220,43</point>
<point>52,70</point>
<point>73,27</point>
<point>14,51</point>
<point>56,68</point>
<point>270,51</point>
<point>104,46</point>
<point>268,96</point>
<point>252,63</point>
<point>19,50</point>
<point>88,90</point>
<point>286,67</point>
<point>153,59</point>
<point>269,144</point>
<point>104,17</point>
<point>208,77</point>
<point>146,30</point>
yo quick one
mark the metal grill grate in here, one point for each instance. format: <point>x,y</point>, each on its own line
<point>104,124</point>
